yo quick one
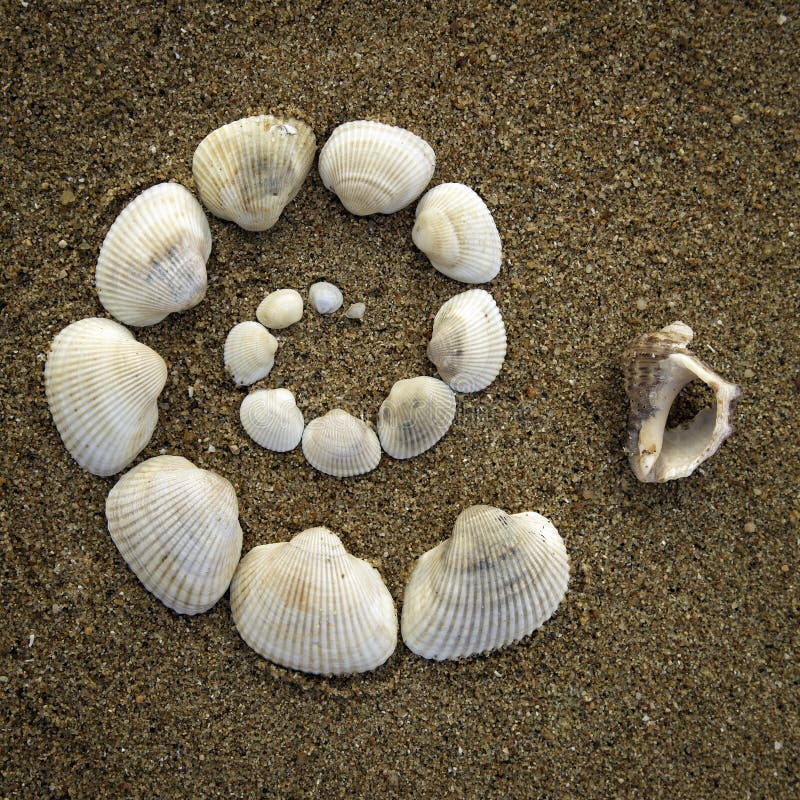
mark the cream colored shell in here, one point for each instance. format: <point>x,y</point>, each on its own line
<point>341,445</point>
<point>249,352</point>
<point>153,258</point>
<point>309,605</point>
<point>102,387</point>
<point>272,419</point>
<point>280,309</point>
<point>325,297</point>
<point>497,579</point>
<point>455,229</point>
<point>468,344</point>
<point>248,171</point>
<point>375,168</point>
<point>415,415</point>
<point>177,527</point>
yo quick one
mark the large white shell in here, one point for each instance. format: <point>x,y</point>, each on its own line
<point>657,366</point>
<point>272,419</point>
<point>455,229</point>
<point>468,344</point>
<point>339,444</point>
<point>280,309</point>
<point>325,297</point>
<point>102,388</point>
<point>495,580</point>
<point>247,171</point>
<point>415,415</point>
<point>153,259</point>
<point>309,605</point>
<point>375,168</point>
<point>249,352</point>
<point>177,527</point>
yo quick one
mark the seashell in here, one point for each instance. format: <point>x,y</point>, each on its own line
<point>325,297</point>
<point>455,229</point>
<point>248,171</point>
<point>341,445</point>
<point>153,258</point>
<point>498,578</point>
<point>415,415</point>
<point>309,605</point>
<point>272,419</point>
<point>375,168</point>
<point>177,527</point>
<point>280,309</point>
<point>657,366</point>
<point>102,388</point>
<point>249,352</point>
<point>355,311</point>
<point>468,344</point>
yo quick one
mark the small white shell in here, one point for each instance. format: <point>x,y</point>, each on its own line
<point>247,171</point>
<point>309,605</point>
<point>153,258</point>
<point>497,579</point>
<point>341,445</point>
<point>280,309</point>
<point>375,168</point>
<point>272,419</point>
<point>325,297</point>
<point>657,366</point>
<point>102,388</point>
<point>355,311</point>
<point>177,527</point>
<point>249,352</point>
<point>468,344</point>
<point>455,229</point>
<point>415,415</point>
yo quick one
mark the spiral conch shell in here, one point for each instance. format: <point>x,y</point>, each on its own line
<point>309,605</point>
<point>102,388</point>
<point>657,366</point>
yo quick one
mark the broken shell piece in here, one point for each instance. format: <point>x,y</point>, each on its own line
<point>657,366</point>
<point>309,605</point>
<point>415,415</point>
<point>248,171</point>
<point>249,352</point>
<point>468,344</point>
<point>325,297</point>
<point>375,168</point>
<point>177,527</point>
<point>498,578</point>
<point>355,311</point>
<point>272,419</point>
<point>341,445</point>
<point>280,309</point>
<point>455,229</point>
<point>153,258</point>
<point>102,387</point>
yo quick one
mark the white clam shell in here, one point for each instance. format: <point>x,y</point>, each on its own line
<point>309,605</point>
<point>325,297</point>
<point>177,527</point>
<point>498,578</point>
<point>415,415</point>
<point>355,311</point>
<point>249,352</point>
<point>375,168</point>
<point>280,309</point>
<point>455,229</point>
<point>468,344</point>
<point>657,366</point>
<point>248,171</point>
<point>153,258</point>
<point>102,388</point>
<point>341,445</point>
<point>272,419</point>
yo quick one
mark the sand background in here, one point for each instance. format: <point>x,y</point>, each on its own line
<point>641,162</point>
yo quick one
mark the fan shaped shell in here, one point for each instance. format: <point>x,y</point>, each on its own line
<point>375,168</point>
<point>272,419</point>
<point>102,387</point>
<point>177,527</point>
<point>309,605</point>
<point>248,171</point>
<point>153,258</point>
<point>280,309</point>
<point>498,578</point>
<point>341,445</point>
<point>249,352</point>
